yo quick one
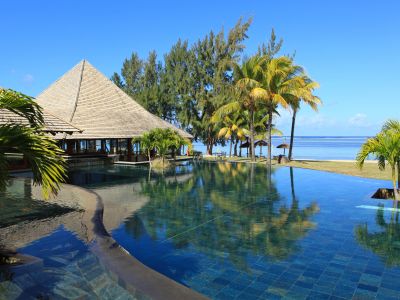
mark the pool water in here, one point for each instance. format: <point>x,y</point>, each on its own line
<point>230,231</point>
<point>237,231</point>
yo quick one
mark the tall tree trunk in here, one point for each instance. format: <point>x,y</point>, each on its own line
<point>292,133</point>
<point>230,147</point>
<point>398,174</point>
<point>209,141</point>
<point>269,137</point>
<point>253,158</point>
<point>240,149</point>
<point>395,192</point>
<point>235,148</point>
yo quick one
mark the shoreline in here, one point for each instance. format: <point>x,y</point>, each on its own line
<point>345,167</point>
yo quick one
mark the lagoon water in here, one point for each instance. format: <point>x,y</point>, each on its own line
<point>308,147</point>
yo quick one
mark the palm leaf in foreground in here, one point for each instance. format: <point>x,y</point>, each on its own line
<point>43,154</point>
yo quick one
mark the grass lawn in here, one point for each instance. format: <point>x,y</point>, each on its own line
<point>370,169</point>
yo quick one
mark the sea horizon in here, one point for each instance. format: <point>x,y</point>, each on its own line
<point>305,147</point>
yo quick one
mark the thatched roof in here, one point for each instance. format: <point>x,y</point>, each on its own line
<point>52,124</point>
<point>93,103</point>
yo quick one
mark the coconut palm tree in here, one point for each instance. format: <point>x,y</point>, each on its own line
<point>385,146</point>
<point>394,125</point>
<point>162,140</point>
<point>304,95</point>
<point>248,77</point>
<point>279,83</point>
<point>41,152</point>
<point>147,143</point>
<point>233,128</point>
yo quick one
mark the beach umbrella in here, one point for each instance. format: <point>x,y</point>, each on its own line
<point>245,145</point>
<point>284,146</point>
<point>261,143</point>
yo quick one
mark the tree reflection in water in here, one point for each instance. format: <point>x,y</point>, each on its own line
<point>226,210</point>
<point>385,243</point>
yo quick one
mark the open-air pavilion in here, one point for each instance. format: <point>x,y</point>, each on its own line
<point>108,117</point>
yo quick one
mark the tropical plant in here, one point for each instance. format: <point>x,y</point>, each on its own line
<point>248,78</point>
<point>147,143</point>
<point>385,146</point>
<point>279,83</point>
<point>304,95</point>
<point>41,152</point>
<point>233,129</point>
<point>395,126</point>
<point>161,140</point>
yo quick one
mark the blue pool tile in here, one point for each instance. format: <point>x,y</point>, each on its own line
<point>318,296</point>
<point>336,298</point>
<point>343,291</point>
<point>270,296</point>
<point>224,296</point>
<point>361,294</point>
<point>366,287</point>
<point>255,292</point>
<point>325,289</point>
<point>221,281</point>
<point>388,292</point>
<point>246,296</point>
<point>238,286</point>
<point>370,279</point>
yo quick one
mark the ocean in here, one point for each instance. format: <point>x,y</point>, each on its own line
<point>306,147</point>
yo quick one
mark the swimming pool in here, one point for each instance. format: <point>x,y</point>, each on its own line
<point>239,231</point>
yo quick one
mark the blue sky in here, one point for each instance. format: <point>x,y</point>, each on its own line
<point>352,48</point>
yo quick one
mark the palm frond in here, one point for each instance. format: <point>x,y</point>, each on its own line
<point>43,154</point>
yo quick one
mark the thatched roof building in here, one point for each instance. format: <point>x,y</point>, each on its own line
<point>108,117</point>
<point>52,124</point>
<point>92,102</point>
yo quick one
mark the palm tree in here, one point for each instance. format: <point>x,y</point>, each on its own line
<point>146,143</point>
<point>304,94</point>
<point>41,152</point>
<point>248,77</point>
<point>233,129</point>
<point>279,83</point>
<point>394,125</point>
<point>162,140</point>
<point>385,146</point>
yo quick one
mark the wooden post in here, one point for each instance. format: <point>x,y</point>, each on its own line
<point>103,146</point>
<point>70,147</point>
<point>129,146</point>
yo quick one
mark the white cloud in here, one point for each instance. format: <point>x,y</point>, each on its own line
<point>359,120</point>
<point>28,78</point>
